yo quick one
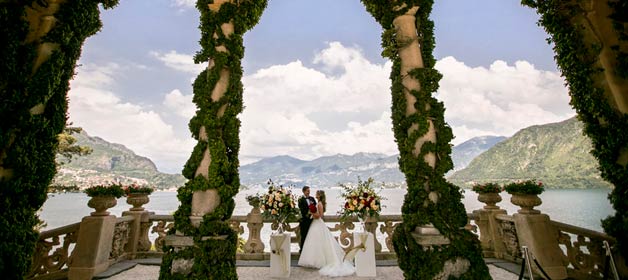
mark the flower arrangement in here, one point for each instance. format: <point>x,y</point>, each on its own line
<point>114,190</point>
<point>138,189</point>
<point>279,203</point>
<point>361,201</point>
<point>487,188</point>
<point>525,187</point>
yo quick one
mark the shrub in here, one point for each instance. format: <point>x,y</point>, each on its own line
<point>525,187</point>
<point>105,190</point>
<point>487,188</point>
<point>135,188</point>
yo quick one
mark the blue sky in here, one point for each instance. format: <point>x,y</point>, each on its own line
<point>315,83</point>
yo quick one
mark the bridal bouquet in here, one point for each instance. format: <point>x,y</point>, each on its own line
<point>361,201</point>
<point>279,203</point>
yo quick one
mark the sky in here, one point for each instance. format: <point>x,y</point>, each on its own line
<point>315,82</point>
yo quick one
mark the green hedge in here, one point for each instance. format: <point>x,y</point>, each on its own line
<point>214,259</point>
<point>448,215</point>
<point>607,128</point>
<point>29,141</point>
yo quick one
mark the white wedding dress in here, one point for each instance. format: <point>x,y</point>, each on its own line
<point>321,250</point>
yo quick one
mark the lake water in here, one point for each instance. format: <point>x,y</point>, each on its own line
<point>583,208</point>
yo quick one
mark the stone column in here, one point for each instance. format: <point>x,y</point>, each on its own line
<point>410,54</point>
<point>93,246</point>
<point>204,202</point>
<point>541,237</point>
<point>490,238</point>
<point>255,223</point>
<point>138,235</point>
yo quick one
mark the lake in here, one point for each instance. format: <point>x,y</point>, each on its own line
<point>579,207</point>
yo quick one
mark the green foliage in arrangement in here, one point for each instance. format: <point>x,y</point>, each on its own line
<point>525,187</point>
<point>448,215</point>
<point>114,190</point>
<point>33,112</point>
<point>134,188</point>
<point>214,258</point>
<point>579,60</point>
<point>487,188</point>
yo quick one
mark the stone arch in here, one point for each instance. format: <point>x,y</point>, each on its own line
<point>43,39</point>
<point>433,205</point>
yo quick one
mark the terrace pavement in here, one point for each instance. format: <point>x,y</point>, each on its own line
<point>148,269</point>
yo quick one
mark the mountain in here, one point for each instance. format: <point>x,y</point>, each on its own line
<point>112,162</point>
<point>556,154</point>
<point>463,153</point>
<point>324,171</point>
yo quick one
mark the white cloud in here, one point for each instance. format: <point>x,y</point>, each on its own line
<point>184,3</point>
<point>281,99</point>
<point>180,62</point>
<point>102,113</point>
<point>500,99</point>
<point>180,104</point>
<point>342,105</point>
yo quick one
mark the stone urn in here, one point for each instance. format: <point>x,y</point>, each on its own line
<point>101,204</point>
<point>527,202</point>
<point>137,200</point>
<point>490,199</point>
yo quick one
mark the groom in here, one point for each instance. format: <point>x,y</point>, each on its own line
<point>306,219</point>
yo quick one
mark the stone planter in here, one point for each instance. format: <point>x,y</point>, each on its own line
<point>490,199</point>
<point>137,200</point>
<point>527,202</point>
<point>101,204</point>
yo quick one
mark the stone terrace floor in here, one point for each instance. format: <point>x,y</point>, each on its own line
<point>148,269</point>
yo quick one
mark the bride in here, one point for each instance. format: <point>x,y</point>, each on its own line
<point>321,250</point>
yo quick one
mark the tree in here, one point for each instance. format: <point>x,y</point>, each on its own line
<point>67,145</point>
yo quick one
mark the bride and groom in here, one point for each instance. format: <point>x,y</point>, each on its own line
<point>319,248</point>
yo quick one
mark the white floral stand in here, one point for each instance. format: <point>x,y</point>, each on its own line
<point>280,255</point>
<point>365,257</point>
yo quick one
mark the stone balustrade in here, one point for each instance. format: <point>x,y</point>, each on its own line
<point>81,250</point>
<point>53,251</point>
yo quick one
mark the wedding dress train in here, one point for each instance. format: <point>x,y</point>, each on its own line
<point>321,250</point>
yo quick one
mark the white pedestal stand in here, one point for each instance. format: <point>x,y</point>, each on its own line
<point>280,255</point>
<point>365,258</point>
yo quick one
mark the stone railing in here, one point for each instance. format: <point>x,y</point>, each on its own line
<point>508,238</point>
<point>82,250</point>
<point>52,253</point>
<point>120,239</point>
<point>561,250</point>
<point>382,228</point>
<point>583,250</point>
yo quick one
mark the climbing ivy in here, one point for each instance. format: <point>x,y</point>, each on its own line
<point>28,136</point>
<point>214,257</point>
<point>448,214</point>
<point>604,125</point>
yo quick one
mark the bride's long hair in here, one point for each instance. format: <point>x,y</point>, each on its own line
<point>322,199</point>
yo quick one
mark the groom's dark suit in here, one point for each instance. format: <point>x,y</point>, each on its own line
<point>306,218</point>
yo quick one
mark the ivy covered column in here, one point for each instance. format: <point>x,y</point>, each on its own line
<point>41,42</point>
<point>591,44</point>
<point>431,243</point>
<point>204,245</point>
